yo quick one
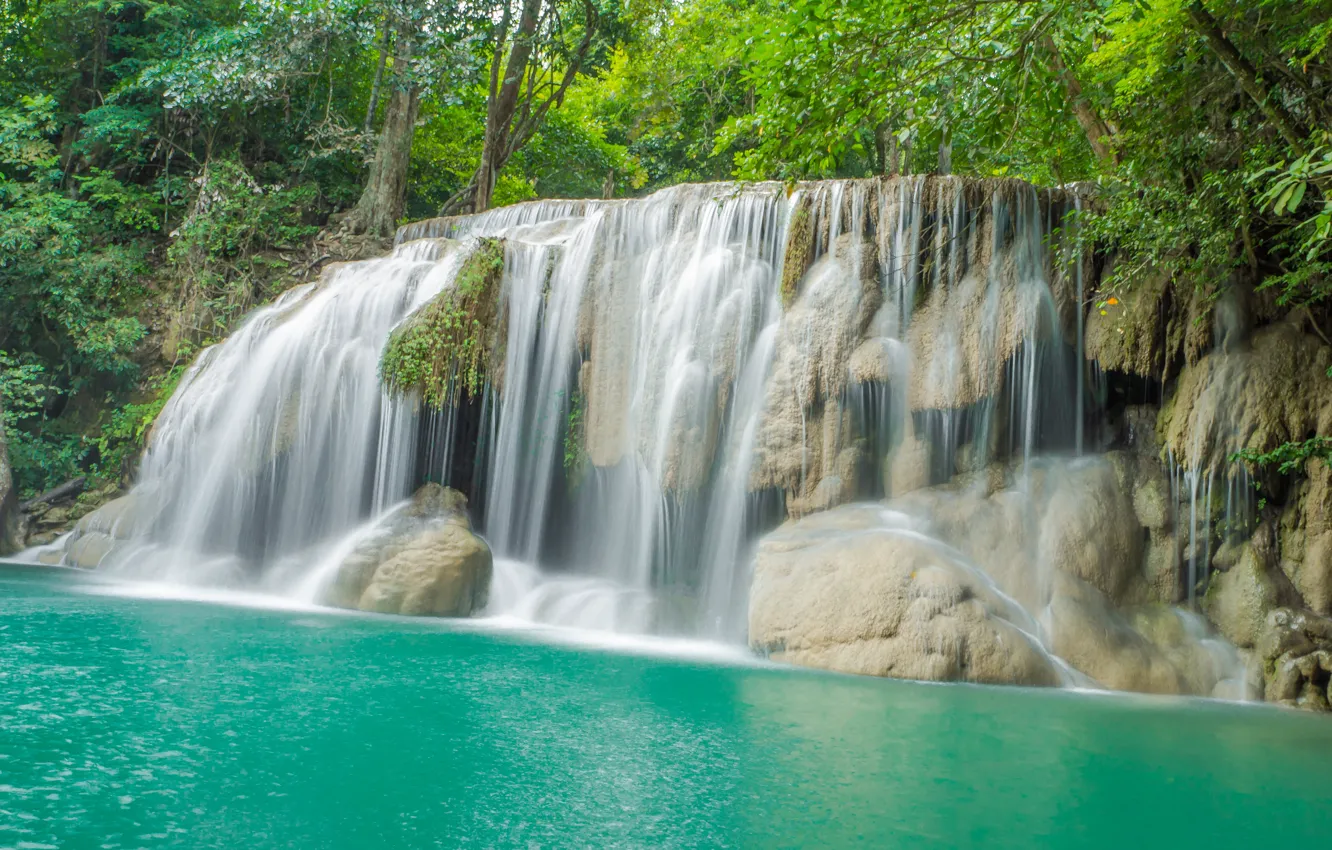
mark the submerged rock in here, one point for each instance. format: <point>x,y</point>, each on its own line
<point>853,591</point>
<point>426,562</point>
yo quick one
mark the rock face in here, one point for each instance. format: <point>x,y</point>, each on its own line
<point>1296,650</point>
<point>1268,390</point>
<point>9,541</point>
<point>805,429</point>
<point>425,561</point>
<point>1306,538</point>
<point>937,584</point>
<point>98,534</point>
<point>857,591</point>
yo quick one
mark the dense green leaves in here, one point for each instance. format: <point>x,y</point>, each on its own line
<point>164,163</point>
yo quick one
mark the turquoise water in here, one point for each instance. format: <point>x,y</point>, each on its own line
<point>129,722</point>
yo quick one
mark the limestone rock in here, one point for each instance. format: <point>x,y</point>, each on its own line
<point>89,550</point>
<point>848,590</point>
<point>1138,430</point>
<point>817,338</point>
<point>1130,334</point>
<point>1296,651</point>
<point>1306,539</point>
<point>425,560</point>
<point>97,534</point>
<point>1090,530</point>
<point>1149,649</point>
<point>443,572</point>
<point>1255,397</point>
<point>120,518</point>
<point>908,466</point>
<point>1239,599</point>
<point>1073,518</point>
<point>1090,635</point>
<point>1161,566</point>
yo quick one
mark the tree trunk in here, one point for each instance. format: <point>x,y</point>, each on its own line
<point>502,106</point>
<point>385,193</point>
<point>518,103</point>
<point>1098,133</point>
<point>946,151</point>
<point>379,80</point>
<point>1247,77</point>
<point>885,144</point>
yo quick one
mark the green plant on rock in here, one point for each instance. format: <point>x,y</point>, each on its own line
<point>125,434</point>
<point>451,343</point>
<point>1289,457</point>
<point>799,249</point>
<point>574,452</point>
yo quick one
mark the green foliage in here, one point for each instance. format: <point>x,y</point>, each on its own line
<point>234,214</point>
<point>69,267</point>
<point>125,433</point>
<point>1289,457</point>
<point>1287,191</point>
<point>450,342</point>
<point>671,87</point>
<point>575,455</point>
<point>38,453</point>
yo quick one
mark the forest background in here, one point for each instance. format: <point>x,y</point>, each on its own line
<point>167,166</point>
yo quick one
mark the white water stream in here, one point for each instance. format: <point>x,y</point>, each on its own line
<point>659,394</point>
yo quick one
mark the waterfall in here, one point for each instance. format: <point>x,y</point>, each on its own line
<point>679,373</point>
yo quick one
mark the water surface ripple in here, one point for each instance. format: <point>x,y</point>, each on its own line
<point>129,722</point>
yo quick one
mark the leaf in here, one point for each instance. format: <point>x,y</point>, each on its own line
<point>1283,198</point>
<point>1297,197</point>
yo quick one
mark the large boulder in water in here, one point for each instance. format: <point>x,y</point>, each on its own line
<point>426,562</point>
<point>857,590</point>
<point>940,583</point>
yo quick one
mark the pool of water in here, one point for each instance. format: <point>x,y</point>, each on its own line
<point>128,722</point>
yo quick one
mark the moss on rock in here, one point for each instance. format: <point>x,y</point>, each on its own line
<point>799,248</point>
<point>454,341</point>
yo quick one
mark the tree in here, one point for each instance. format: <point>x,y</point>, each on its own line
<point>431,48</point>
<point>534,76</point>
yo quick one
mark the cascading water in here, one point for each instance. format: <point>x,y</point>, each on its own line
<point>677,374</point>
<point>281,438</point>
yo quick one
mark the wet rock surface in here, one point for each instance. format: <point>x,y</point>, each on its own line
<point>425,561</point>
<point>850,590</point>
<point>1053,553</point>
